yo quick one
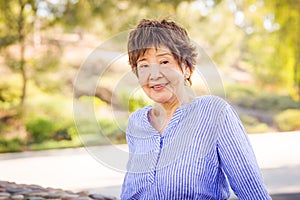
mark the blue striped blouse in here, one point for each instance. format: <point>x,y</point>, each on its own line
<point>203,148</point>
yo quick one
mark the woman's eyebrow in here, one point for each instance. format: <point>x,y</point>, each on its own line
<point>163,54</point>
<point>141,59</point>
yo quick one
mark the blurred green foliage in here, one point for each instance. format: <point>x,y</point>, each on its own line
<point>254,98</point>
<point>42,44</point>
<point>10,93</point>
<point>40,129</point>
<point>253,125</point>
<point>48,117</point>
<point>288,120</point>
<point>11,145</point>
<point>257,108</point>
<point>134,101</point>
<point>113,131</point>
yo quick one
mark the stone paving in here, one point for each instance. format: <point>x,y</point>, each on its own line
<point>14,191</point>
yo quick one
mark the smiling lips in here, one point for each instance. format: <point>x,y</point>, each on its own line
<point>158,87</point>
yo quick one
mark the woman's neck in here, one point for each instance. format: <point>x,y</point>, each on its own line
<point>162,113</point>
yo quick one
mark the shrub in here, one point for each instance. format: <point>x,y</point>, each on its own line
<point>69,139</point>
<point>134,101</point>
<point>41,129</point>
<point>287,102</point>
<point>52,106</point>
<point>4,126</point>
<point>50,117</point>
<point>242,95</point>
<point>250,97</point>
<point>9,94</point>
<point>268,101</point>
<point>10,145</point>
<point>113,130</point>
<point>288,120</point>
<point>253,125</point>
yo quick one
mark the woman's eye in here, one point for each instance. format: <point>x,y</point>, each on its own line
<point>164,62</point>
<point>143,66</point>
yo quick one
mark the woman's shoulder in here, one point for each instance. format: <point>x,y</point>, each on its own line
<point>138,123</point>
<point>139,115</point>
<point>211,101</point>
<point>140,112</point>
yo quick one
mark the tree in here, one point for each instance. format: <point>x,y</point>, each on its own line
<point>272,42</point>
<point>17,27</point>
<point>21,22</point>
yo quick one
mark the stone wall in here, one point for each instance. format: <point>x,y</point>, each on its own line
<point>14,191</point>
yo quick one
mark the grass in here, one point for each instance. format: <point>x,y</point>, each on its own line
<point>52,144</point>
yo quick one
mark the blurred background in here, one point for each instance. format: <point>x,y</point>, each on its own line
<point>254,43</point>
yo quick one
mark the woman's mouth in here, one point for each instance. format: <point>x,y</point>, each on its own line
<point>158,87</point>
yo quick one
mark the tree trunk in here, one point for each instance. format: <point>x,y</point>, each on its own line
<point>24,74</point>
<point>21,38</point>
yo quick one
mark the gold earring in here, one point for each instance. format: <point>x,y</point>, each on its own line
<point>187,74</point>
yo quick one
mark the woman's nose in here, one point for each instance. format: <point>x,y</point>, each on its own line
<point>155,72</point>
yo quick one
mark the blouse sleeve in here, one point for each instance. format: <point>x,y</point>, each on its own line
<point>237,158</point>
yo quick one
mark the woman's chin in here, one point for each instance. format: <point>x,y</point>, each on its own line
<point>163,99</point>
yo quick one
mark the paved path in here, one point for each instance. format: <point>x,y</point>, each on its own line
<point>278,155</point>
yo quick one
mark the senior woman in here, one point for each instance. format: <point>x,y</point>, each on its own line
<point>183,147</point>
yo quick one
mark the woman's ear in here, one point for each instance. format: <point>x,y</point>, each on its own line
<point>186,71</point>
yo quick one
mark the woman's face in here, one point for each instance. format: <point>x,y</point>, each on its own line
<point>160,75</point>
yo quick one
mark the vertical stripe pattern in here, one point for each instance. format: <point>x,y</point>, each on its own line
<point>203,150</point>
